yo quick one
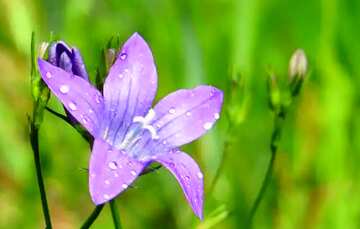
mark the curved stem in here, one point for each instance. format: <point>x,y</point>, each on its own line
<point>34,140</point>
<point>90,220</point>
<point>278,121</point>
<point>115,214</point>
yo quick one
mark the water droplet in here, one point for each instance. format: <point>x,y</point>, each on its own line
<point>107,182</point>
<point>123,56</point>
<point>172,164</point>
<point>187,178</point>
<point>121,75</point>
<point>93,175</point>
<point>164,142</point>
<point>207,125</point>
<point>126,70</point>
<point>172,111</point>
<point>216,116</point>
<point>85,120</point>
<point>106,196</point>
<point>91,111</point>
<point>116,175</point>
<point>133,173</point>
<point>113,165</point>
<point>188,113</point>
<point>72,106</point>
<point>153,157</point>
<point>124,186</point>
<point>48,75</point>
<point>200,175</point>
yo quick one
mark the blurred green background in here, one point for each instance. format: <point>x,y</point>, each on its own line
<point>316,178</point>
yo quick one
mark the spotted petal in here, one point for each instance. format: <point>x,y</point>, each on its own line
<point>110,172</point>
<point>185,115</point>
<point>80,98</point>
<point>129,88</point>
<point>189,176</point>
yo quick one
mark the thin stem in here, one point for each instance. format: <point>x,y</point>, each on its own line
<point>90,220</point>
<point>278,121</point>
<point>34,139</point>
<point>115,214</point>
<point>61,116</point>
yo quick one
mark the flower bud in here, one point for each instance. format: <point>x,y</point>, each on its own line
<point>69,59</point>
<point>298,64</point>
<point>297,71</point>
<point>274,92</point>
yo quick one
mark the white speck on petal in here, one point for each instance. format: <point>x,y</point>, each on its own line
<point>124,186</point>
<point>208,125</point>
<point>113,165</point>
<point>200,175</point>
<point>188,113</point>
<point>123,56</point>
<point>48,75</point>
<point>107,182</point>
<point>106,196</point>
<point>72,106</point>
<point>216,116</point>
<point>172,111</point>
<point>64,89</point>
<point>133,173</point>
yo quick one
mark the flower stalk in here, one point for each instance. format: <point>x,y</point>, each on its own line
<point>41,96</point>
<point>280,105</point>
<point>115,214</point>
<point>93,216</point>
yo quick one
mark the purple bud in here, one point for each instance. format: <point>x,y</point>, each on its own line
<point>69,59</point>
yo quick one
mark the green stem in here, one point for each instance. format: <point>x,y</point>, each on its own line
<point>90,220</point>
<point>115,214</point>
<point>278,123</point>
<point>34,139</point>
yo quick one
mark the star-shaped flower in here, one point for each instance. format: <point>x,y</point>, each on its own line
<point>128,133</point>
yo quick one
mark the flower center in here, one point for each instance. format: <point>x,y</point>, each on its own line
<point>136,133</point>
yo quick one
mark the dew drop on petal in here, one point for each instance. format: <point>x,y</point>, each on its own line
<point>172,164</point>
<point>124,186</point>
<point>120,75</point>
<point>107,182</point>
<point>91,111</point>
<point>123,56</point>
<point>200,175</point>
<point>207,125</point>
<point>172,111</point>
<point>113,165</point>
<point>106,196</point>
<point>164,142</point>
<point>85,120</point>
<point>188,113</point>
<point>64,89</point>
<point>48,75</point>
<point>216,116</point>
<point>72,106</point>
<point>133,173</point>
<point>116,175</point>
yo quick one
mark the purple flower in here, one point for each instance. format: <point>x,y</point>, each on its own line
<point>128,133</point>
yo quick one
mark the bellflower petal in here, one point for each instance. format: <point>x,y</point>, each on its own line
<point>189,176</point>
<point>79,97</point>
<point>111,172</point>
<point>129,88</point>
<point>186,114</point>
